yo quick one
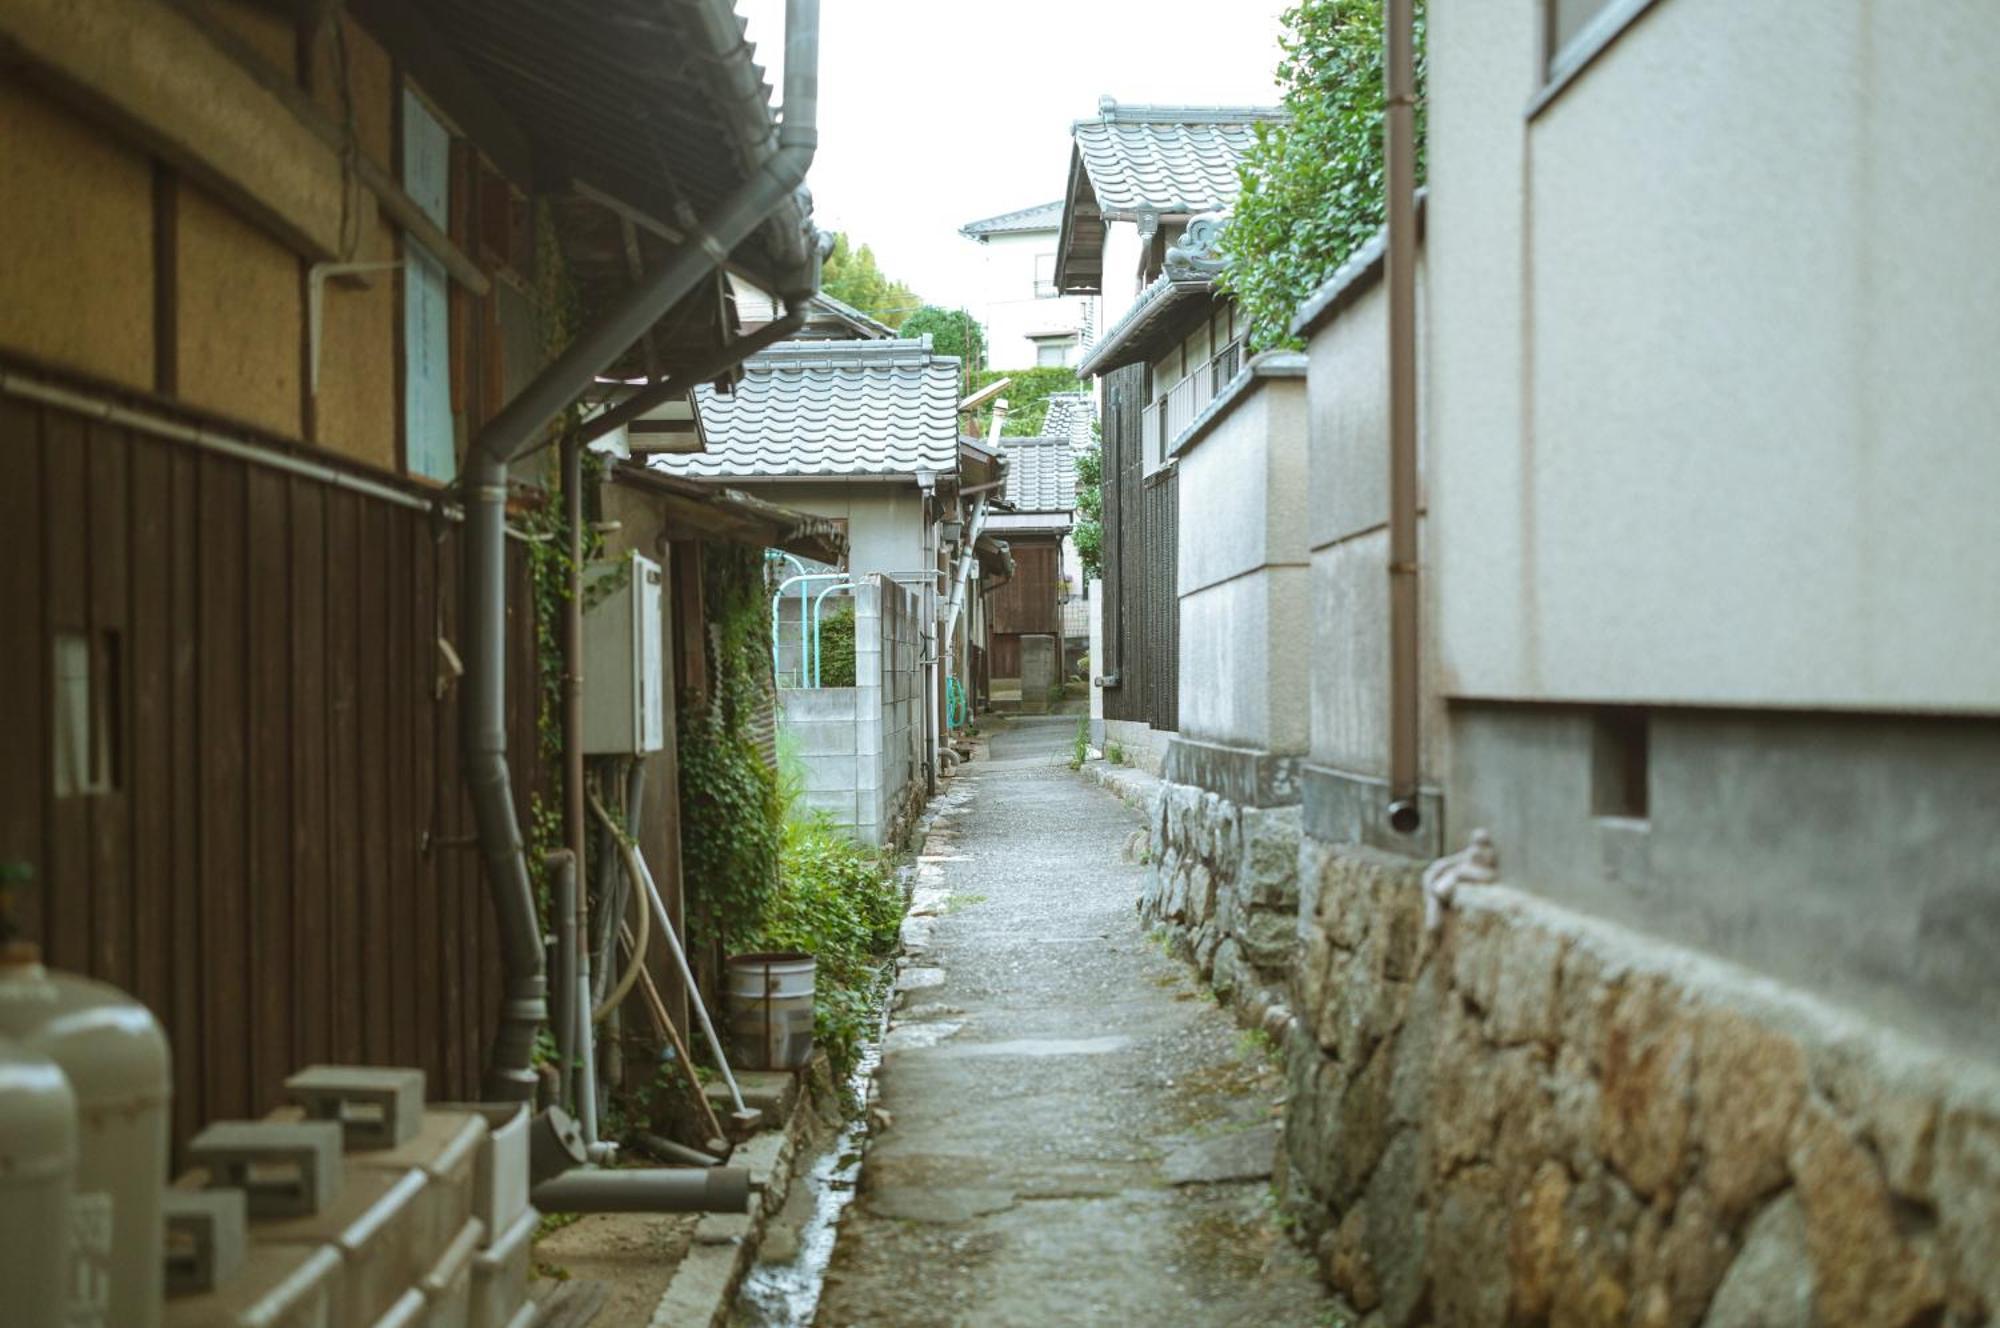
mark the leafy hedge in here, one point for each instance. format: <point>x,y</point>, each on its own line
<point>836,647</point>
<point>1027,397</point>
<point>1313,188</point>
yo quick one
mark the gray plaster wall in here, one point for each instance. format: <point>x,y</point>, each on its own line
<point>1245,634</point>
<point>1853,856</point>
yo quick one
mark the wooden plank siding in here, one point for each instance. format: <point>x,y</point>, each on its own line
<point>1141,562</point>
<point>279,862</point>
<point>1026,603</point>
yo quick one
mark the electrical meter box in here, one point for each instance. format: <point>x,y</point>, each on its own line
<point>624,691</point>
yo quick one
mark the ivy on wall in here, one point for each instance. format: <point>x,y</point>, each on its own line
<point>731,811</point>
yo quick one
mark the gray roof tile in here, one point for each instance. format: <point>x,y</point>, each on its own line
<point>1041,217</point>
<point>1167,158</point>
<point>810,408</point>
<point>1041,474</point>
<point>1071,415</point>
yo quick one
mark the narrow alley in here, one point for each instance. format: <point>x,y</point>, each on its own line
<point>1069,1130</point>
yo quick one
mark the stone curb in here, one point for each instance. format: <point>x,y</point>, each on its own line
<point>1129,784</point>
<point>703,1288</point>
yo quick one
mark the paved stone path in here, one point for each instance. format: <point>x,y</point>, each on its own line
<point>1070,1131</point>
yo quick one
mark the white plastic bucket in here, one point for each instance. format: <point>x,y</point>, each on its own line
<point>771,1010</point>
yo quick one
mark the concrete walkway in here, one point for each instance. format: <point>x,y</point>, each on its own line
<point>1069,1130</point>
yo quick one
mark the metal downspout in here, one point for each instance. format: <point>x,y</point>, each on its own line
<point>1400,173</point>
<point>651,397</point>
<point>509,1072</point>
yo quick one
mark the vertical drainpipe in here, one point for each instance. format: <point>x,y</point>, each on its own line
<point>1400,151</point>
<point>515,430</point>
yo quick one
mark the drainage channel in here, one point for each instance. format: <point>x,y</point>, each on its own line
<point>785,1293</point>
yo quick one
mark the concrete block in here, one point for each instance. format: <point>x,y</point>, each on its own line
<point>446,1148</point>
<point>376,1106</point>
<point>284,1168</point>
<point>377,1225</point>
<point>411,1310</point>
<point>500,1274</point>
<point>447,1287</point>
<point>278,1286</point>
<point>205,1238</point>
<point>500,1180</point>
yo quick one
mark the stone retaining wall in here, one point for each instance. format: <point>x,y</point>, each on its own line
<point>1530,1117</point>
<point>1225,881</point>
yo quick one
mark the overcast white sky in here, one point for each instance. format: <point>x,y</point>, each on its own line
<point>934,113</point>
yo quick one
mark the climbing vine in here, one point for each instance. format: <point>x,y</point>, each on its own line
<point>544,526</point>
<point>731,811</point>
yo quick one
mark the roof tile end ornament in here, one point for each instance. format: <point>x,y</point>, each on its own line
<point>1197,254</point>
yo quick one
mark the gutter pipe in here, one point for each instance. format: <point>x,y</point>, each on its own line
<point>1399,150</point>
<point>509,1071</point>
<point>657,394</point>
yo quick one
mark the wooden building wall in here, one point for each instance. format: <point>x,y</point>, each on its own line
<point>280,866</point>
<point>1141,560</point>
<point>1025,604</point>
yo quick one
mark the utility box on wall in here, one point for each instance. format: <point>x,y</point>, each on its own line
<point>624,693</point>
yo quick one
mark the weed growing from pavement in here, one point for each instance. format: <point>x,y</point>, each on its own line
<point>1114,753</point>
<point>1079,751</point>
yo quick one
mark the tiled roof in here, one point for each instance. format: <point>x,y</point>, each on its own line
<point>1166,158</point>
<point>1070,416</point>
<point>1041,474</point>
<point>806,408</point>
<point>1041,217</point>
<point>1161,310</point>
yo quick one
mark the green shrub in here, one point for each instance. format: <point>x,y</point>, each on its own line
<point>839,903</point>
<point>836,646</point>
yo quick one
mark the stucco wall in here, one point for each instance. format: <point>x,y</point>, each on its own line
<point>242,317</point>
<point>1007,303</point>
<point>1348,513</point>
<point>76,226</point>
<point>1747,458</point>
<point>885,521</point>
<point>1245,634</point>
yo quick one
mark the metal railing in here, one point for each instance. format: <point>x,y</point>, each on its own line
<point>1164,421</point>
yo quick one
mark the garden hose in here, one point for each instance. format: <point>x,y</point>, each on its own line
<point>638,960</point>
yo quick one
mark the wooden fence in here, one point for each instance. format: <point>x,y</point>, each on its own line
<point>268,842</point>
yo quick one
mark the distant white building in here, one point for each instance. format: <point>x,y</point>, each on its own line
<point>1029,322</point>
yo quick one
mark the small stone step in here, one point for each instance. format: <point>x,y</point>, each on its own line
<point>377,1106</point>
<point>205,1238</point>
<point>284,1168</point>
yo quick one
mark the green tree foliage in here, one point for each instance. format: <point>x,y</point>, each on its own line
<point>1313,188</point>
<point>1027,397</point>
<point>851,274</point>
<point>1088,532</point>
<point>953,332</point>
